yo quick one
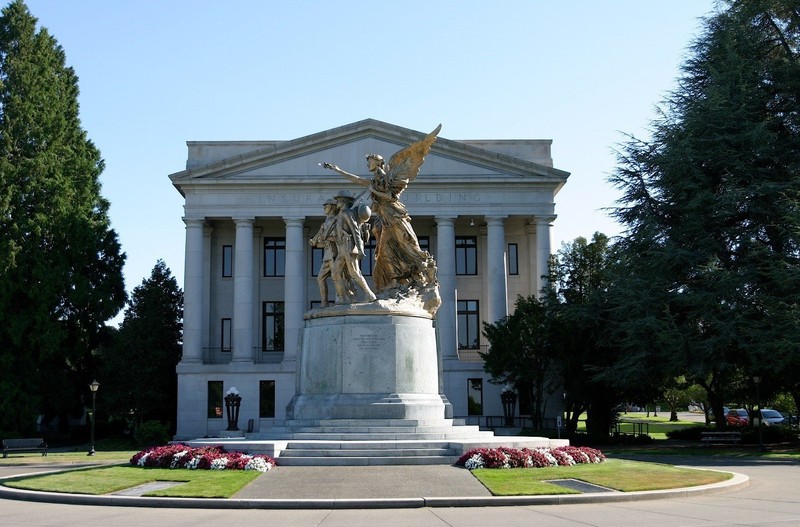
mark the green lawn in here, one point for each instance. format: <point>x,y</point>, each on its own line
<point>71,458</point>
<point>104,480</point>
<point>655,427</point>
<point>618,474</point>
<point>613,473</point>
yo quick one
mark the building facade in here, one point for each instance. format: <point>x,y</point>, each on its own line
<point>482,208</point>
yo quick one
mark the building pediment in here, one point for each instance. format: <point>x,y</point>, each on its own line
<point>298,161</point>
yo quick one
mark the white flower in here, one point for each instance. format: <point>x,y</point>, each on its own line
<point>219,464</point>
<point>258,463</point>
<point>193,463</point>
<point>177,458</point>
<point>143,459</point>
<point>551,459</point>
<point>476,461</point>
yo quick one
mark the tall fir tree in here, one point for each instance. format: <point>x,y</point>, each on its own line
<point>60,261</point>
<point>577,297</point>
<point>712,209</point>
<point>139,368</point>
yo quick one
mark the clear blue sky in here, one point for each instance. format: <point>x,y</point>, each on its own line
<point>156,73</point>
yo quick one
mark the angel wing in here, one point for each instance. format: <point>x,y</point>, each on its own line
<point>404,165</point>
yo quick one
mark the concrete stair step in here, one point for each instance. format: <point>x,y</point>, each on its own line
<point>441,436</point>
<point>365,461</point>
<point>383,429</point>
<point>365,445</point>
<point>415,452</point>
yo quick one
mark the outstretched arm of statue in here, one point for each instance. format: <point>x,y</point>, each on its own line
<point>352,177</point>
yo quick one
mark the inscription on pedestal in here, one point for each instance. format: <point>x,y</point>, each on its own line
<point>370,342</point>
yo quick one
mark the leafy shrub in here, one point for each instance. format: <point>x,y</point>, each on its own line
<point>151,433</point>
<point>769,434</point>
<point>692,433</point>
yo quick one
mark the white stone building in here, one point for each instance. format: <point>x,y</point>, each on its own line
<point>483,208</point>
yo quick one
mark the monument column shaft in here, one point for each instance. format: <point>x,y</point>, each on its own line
<point>446,271</point>
<point>294,291</point>
<point>193,292</point>
<point>243,291</point>
<point>542,250</point>
<point>497,293</point>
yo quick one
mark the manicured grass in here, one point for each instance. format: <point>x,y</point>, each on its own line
<point>72,458</point>
<point>618,474</point>
<point>657,427</point>
<point>197,483</point>
<point>662,448</point>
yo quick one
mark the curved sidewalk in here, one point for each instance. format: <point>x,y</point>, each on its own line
<point>376,487</point>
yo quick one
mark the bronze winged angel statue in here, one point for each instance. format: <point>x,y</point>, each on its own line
<point>400,263</point>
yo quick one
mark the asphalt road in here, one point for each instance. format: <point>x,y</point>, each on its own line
<point>772,498</point>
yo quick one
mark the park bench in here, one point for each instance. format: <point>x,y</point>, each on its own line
<point>24,445</point>
<point>720,437</point>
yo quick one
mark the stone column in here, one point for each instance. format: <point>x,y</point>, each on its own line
<point>207,232</point>
<point>243,291</point>
<point>193,292</point>
<point>446,272</point>
<point>543,224</point>
<point>294,290</point>
<point>497,274</point>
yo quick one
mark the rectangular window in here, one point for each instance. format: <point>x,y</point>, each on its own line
<point>274,256</point>
<point>266,398</point>
<point>468,324</point>
<point>316,260</point>
<point>227,261</point>
<point>513,262</point>
<point>215,399</point>
<point>272,336</point>
<point>369,258</point>
<point>466,255</point>
<point>474,396</point>
<point>424,243</point>
<point>225,343</point>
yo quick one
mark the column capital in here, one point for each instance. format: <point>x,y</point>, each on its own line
<point>243,221</point>
<point>495,220</point>
<point>294,221</point>
<point>445,219</point>
<point>545,219</point>
<point>194,222</point>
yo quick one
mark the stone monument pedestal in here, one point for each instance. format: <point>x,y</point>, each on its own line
<point>368,361</point>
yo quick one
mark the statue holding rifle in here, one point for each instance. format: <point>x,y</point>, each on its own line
<point>400,263</point>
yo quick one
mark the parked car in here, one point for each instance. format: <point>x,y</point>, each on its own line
<point>737,417</point>
<point>790,419</point>
<point>770,417</point>
<point>725,411</point>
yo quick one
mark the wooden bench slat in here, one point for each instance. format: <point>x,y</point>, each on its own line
<point>31,444</point>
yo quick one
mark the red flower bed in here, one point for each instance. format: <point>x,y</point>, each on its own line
<point>212,457</point>
<point>505,457</point>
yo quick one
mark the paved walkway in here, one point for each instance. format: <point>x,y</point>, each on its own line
<point>363,483</point>
<point>771,498</point>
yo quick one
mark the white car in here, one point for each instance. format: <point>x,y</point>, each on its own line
<point>771,417</point>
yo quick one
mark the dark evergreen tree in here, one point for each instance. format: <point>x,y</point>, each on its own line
<point>579,286</point>
<point>520,354</point>
<point>139,368</point>
<point>712,247</point>
<point>60,262</point>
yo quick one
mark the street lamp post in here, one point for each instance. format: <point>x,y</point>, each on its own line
<point>757,381</point>
<point>93,387</point>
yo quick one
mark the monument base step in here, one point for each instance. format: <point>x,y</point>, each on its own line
<point>365,461</point>
<point>293,451</point>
